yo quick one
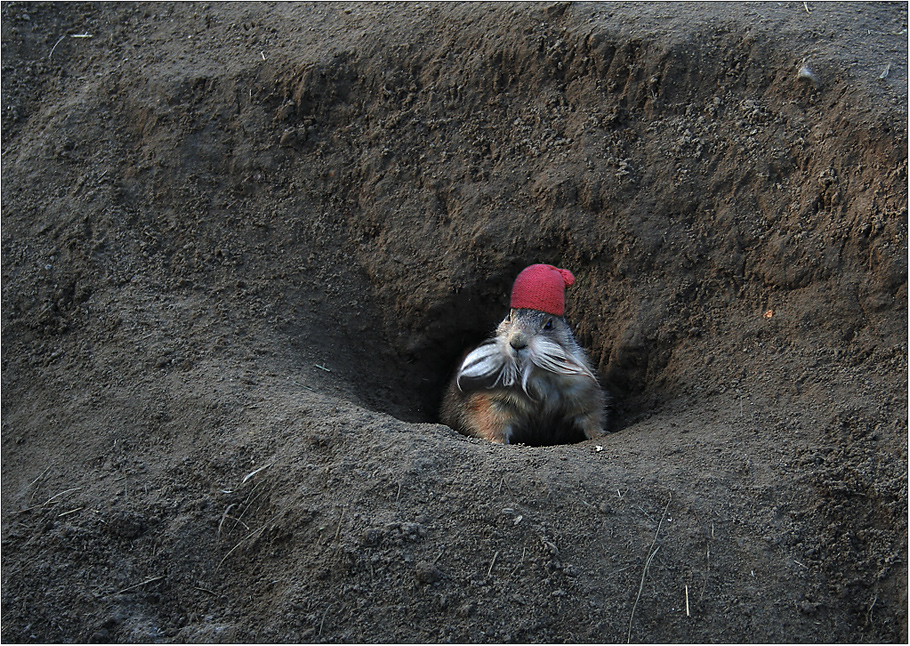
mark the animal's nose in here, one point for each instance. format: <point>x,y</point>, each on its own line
<point>518,343</point>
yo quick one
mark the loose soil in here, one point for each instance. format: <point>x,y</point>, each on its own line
<point>243,246</point>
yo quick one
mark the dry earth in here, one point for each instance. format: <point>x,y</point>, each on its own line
<point>243,246</point>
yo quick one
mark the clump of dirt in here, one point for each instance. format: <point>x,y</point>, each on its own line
<point>243,247</point>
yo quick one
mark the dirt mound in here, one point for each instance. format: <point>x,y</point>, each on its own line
<point>243,247</point>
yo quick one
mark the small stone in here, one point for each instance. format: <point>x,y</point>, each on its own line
<point>373,536</point>
<point>806,75</point>
<point>427,573</point>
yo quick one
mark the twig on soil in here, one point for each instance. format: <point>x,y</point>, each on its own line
<point>259,530</point>
<point>60,40</point>
<point>707,567</point>
<point>641,586</point>
<point>323,618</point>
<point>32,497</point>
<point>340,520</point>
<point>646,513</point>
<point>247,504</point>
<point>43,473</point>
<point>652,552</point>
<point>502,483</point>
<point>252,473</point>
<point>139,585</point>
<point>226,515</point>
<point>337,534</point>
<point>61,494</point>
<point>622,569</point>
<point>55,45</point>
<point>239,543</point>
<point>492,563</point>
<point>520,562</point>
<point>687,601</point>
<point>71,511</point>
<point>869,611</point>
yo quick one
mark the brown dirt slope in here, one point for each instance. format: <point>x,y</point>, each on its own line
<point>244,244</point>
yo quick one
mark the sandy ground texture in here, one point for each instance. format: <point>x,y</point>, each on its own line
<point>244,245</point>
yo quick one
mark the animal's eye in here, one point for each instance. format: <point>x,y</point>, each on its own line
<point>548,325</point>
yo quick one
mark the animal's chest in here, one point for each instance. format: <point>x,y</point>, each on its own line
<point>554,394</point>
<point>548,415</point>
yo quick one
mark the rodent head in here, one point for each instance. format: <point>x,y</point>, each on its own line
<point>522,328</point>
<point>525,340</point>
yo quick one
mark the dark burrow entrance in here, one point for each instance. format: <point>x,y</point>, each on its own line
<point>425,370</point>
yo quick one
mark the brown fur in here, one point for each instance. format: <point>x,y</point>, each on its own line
<point>536,406</point>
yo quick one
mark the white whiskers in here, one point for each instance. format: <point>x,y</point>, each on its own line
<point>552,357</point>
<point>493,363</point>
<point>482,364</point>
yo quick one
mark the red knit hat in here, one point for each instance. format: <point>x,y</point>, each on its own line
<point>542,288</point>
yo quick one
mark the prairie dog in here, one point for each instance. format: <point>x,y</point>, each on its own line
<point>531,382</point>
